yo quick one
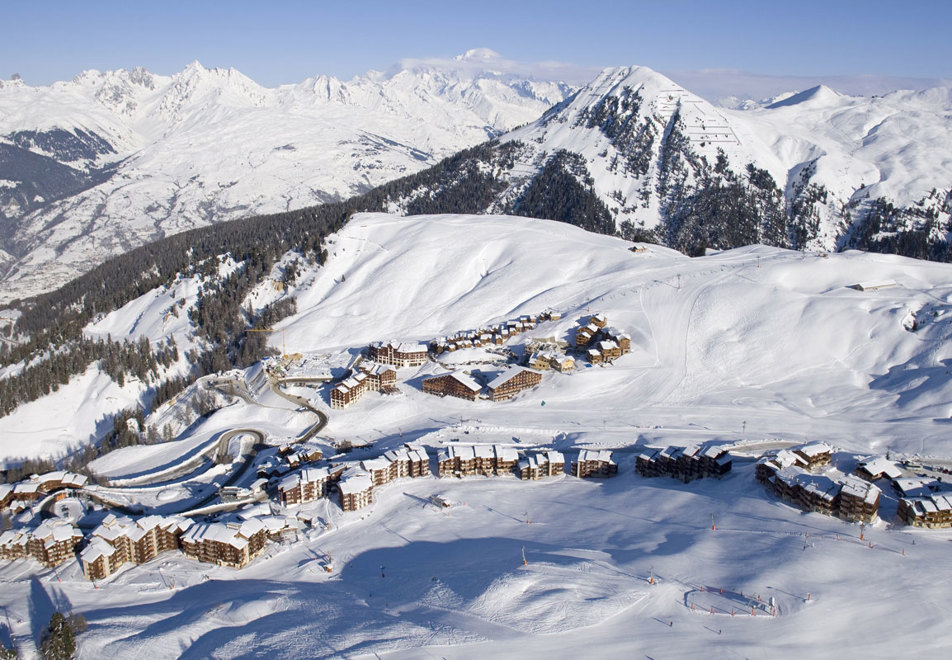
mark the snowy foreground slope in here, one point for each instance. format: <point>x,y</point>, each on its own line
<point>746,346</point>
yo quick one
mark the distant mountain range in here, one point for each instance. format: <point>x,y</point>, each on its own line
<point>636,153</point>
<point>108,161</point>
<point>95,166</point>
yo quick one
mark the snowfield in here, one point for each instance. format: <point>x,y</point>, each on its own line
<point>756,346</point>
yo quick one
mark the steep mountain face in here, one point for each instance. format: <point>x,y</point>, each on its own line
<point>94,166</point>
<point>636,153</point>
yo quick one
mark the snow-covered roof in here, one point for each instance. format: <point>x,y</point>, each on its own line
<point>378,463</point>
<point>555,457</point>
<point>355,484</point>
<point>881,465</point>
<point>712,451</point>
<point>814,449</point>
<point>505,453</point>
<point>601,455</point>
<point>466,381</point>
<point>506,376</point>
<point>860,489</point>
<point>97,548</point>
<point>914,487</point>
<point>56,531</point>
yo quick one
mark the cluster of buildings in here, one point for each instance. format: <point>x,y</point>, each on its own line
<point>551,359</point>
<point>370,377</point>
<point>684,463</point>
<point>504,386</point>
<point>933,510</point>
<point>922,502</point>
<point>51,544</point>
<point>472,460</point>
<point>27,492</point>
<point>790,475</point>
<point>536,466</point>
<point>398,354</point>
<point>493,335</point>
<point>118,540</point>
<point>354,483</point>
<point>289,457</point>
<point>235,543</point>
<point>594,463</point>
<point>600,342</point>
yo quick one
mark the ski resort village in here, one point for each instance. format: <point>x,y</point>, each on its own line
<point>468,440</point>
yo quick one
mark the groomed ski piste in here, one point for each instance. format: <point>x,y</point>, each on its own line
<point>757,347</point>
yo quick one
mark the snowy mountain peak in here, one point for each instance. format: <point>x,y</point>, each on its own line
<point>818,96</point>
<point>207,145</point>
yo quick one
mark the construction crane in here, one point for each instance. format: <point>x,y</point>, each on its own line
<point>284,353</point>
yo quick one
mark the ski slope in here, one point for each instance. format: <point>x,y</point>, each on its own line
<point>746,346</point>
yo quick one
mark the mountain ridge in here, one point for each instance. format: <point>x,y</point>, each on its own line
<point>208,145</point>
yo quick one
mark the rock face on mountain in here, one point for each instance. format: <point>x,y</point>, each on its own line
<point>107,161</point>
<point>636,153</point>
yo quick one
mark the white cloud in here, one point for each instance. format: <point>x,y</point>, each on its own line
<point>483,59</point>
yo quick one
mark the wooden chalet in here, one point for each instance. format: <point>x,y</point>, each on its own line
<point>816,454</point>
<point>100,560</point>
<point>13,544</point>
<point>609,350</point>
<point>38,486</point>
<point>594,356</point>
<point>505,459</point>
<point>584,335</point>
<point>598,320</point>
<point>684,463</point>
<point>768,466</point>
<point>540,361</point>
<point>485,461</point>
<point>398,354</point>
<point>831,494</point>
<point>379,376</point>
<point>933,511</point>
<point>562,363</point>
<point>877,468</point>
<point>858,500</point>
<point>512,381</point>
<point>469,460</point>
<point>232,544</point>
<point>381,470</point>
<point>348,391</point>
<point>594,463</point>
<point>455,384</point>
<point>622,339</point>
<point>53,542</point>
<point>306,485</point>
<point>356,491</point>
<point>118,540</point>
<point>537,466</point>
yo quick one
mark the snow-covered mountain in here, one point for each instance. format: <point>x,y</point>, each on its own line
<point>816,169</point>
<point>91,167</point>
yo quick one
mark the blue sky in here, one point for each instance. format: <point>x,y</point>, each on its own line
<point>280,42</point>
